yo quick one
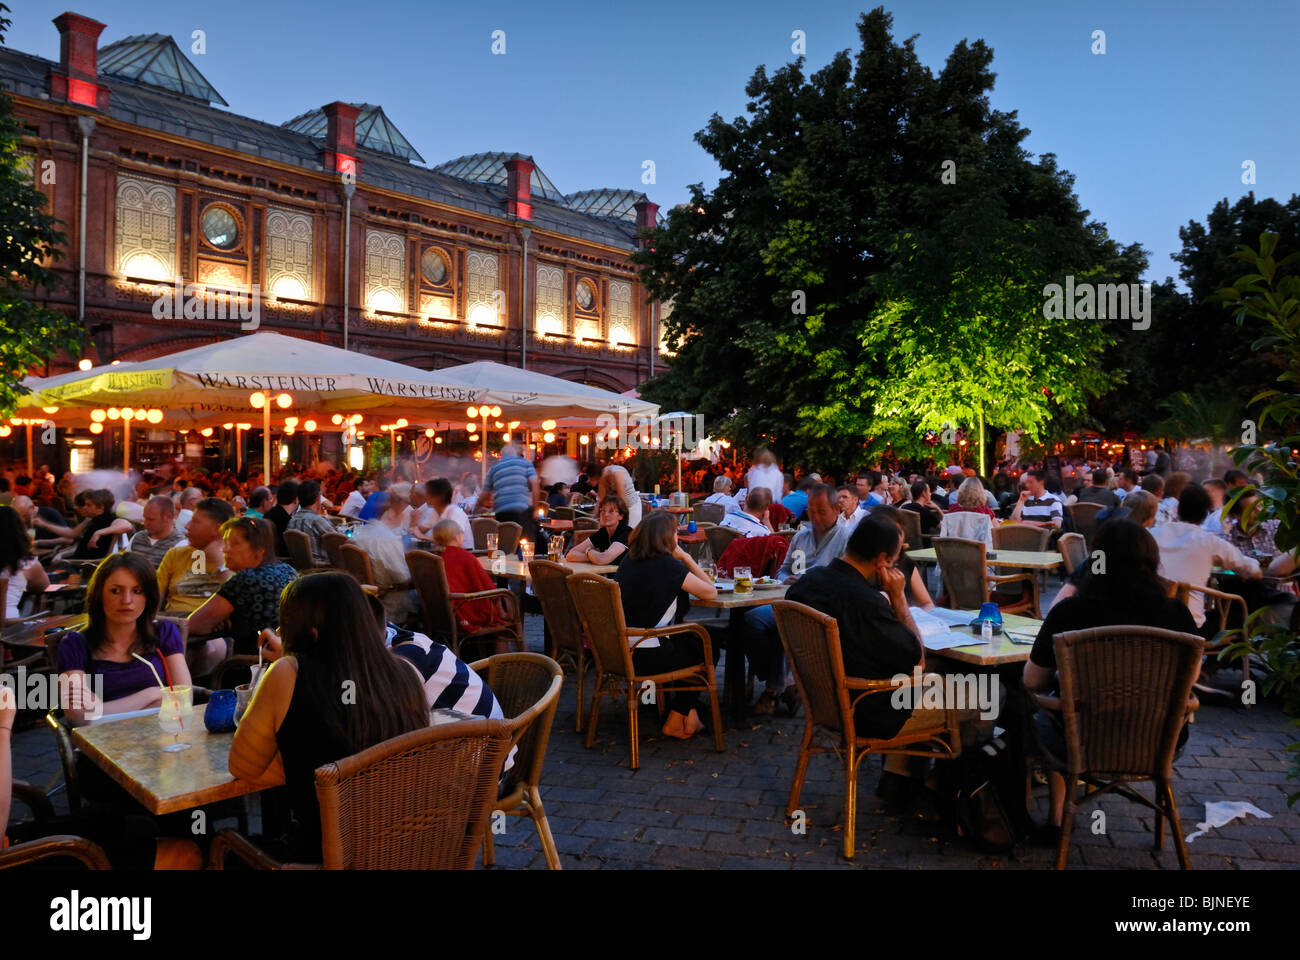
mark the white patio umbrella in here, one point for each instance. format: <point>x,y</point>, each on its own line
<point>242,378</point>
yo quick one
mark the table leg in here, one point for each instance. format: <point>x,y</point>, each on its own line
<point>735,674</point>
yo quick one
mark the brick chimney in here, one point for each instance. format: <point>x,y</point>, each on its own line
<point>340,153</point>
<point>647,214</point>
<point>519,188</point>
<point>76,77</point>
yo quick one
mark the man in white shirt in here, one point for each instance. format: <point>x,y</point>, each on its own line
<point>356,500</point>
<point>1188,553</point>
<point>850,509</point>
<point>753,520</point>
<point>188,498</point>
<point>722,494</point>
<point>441,508</point>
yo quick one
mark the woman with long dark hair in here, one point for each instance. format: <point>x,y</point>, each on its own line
<point>335,692</point>
<point>1125,588</point>
<point>120,605</point>
<point>17,562</point>
<point>651,580</point>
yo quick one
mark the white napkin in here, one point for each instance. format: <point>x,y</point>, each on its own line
<point>1220,812</point>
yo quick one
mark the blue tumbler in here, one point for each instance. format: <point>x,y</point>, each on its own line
<point>219,715</point>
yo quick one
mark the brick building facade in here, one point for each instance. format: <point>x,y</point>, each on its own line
<point>479,258</point>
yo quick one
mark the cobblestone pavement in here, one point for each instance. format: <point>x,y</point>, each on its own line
<point>691,807</point>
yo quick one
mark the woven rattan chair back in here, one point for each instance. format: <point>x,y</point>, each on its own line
<point>417,802</point>
<point>429,577</point>
<point>299,546</point>
<point>1085,519</point>
<point>332,542</point>
<point>962,569</point>
<point>1124,695</point>
<point>1074,551</point>
<point>812,646</point>
<point>357,562</point>
<point>527,685</point>
<point>911,521</point>
<point>586,523</point>
<point>1020,536</point>
<point>508,535</point>
<point>600,608</point>
<point>481,527</point>
<point>708,512</point>
<point>563,513</point>
<point>718,538</point>
<point>62,731</point>
<point>558,611</point>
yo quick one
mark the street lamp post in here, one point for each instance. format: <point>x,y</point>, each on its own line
<point>261,401</point>
<point>483,413</point>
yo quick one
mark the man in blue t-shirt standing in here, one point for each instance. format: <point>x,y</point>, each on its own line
<point>512,489</point>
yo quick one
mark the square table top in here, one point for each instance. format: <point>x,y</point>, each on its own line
<point>1023,559</point>
<point>513,568</point>
<point>758,597</point>
<point>130,751</point>
<point>1000,650</point>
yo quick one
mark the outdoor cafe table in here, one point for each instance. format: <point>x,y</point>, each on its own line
<point>514,569</point>
<point>1022,559</point>
<point>736,605</point>
<point>130,751</point>
<point>1000,650</point>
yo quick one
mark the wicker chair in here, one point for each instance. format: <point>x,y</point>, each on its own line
<point>299,546</point>
<point>563,623</point>
<point>419,801</point>
<point>1126,692</point>
<point>1085,519</point>
<point>356,562</point>
<point>600,608</point>
<point>59,846</point>
<point>708,512</point>
<point>24,656</point>
<point>718,538</point>
<point>527,685</point>
<point>812,648</point>
<point>966,580</point>
<point>911,529</point>
<point>481,527</point>
<point>1020,536</point>
<point>438,605</point>
<point>1074,551</point>
<point>586,523</point>
<point>1220,604</point>
<point>563,513</point>
<point>333,543</point>
<point>508,535</point>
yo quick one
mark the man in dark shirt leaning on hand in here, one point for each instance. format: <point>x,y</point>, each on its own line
<point>864,592</point>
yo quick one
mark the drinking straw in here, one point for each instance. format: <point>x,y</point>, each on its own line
<point>165,689</point>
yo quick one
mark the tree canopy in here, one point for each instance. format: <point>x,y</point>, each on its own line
<point>29,335</point>
<point>871,263</point>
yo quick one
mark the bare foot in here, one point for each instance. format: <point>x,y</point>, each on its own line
<point>693,724</point>
<point>675,726</point>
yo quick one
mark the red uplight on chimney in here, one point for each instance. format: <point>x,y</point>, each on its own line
<point>519,175</point>
<point>74,79</point>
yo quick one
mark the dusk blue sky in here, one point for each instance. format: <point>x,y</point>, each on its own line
<point>1155,131</point>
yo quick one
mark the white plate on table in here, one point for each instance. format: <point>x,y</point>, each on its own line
<point>767,584</point>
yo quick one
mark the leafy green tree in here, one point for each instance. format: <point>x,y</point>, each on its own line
<point>1268,296</point>
<point>30,335</point>
<point>871,262</point>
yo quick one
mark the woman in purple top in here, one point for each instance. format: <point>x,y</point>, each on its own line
<point>120,603</point>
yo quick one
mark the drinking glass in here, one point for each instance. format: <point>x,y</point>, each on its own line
<point>174,713</point>
<point>710,570</point>
<point>243,697</point>
<point>555,552</point>
<point>492,544</point>
<point>526,549</point>
<point>744,579</point>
